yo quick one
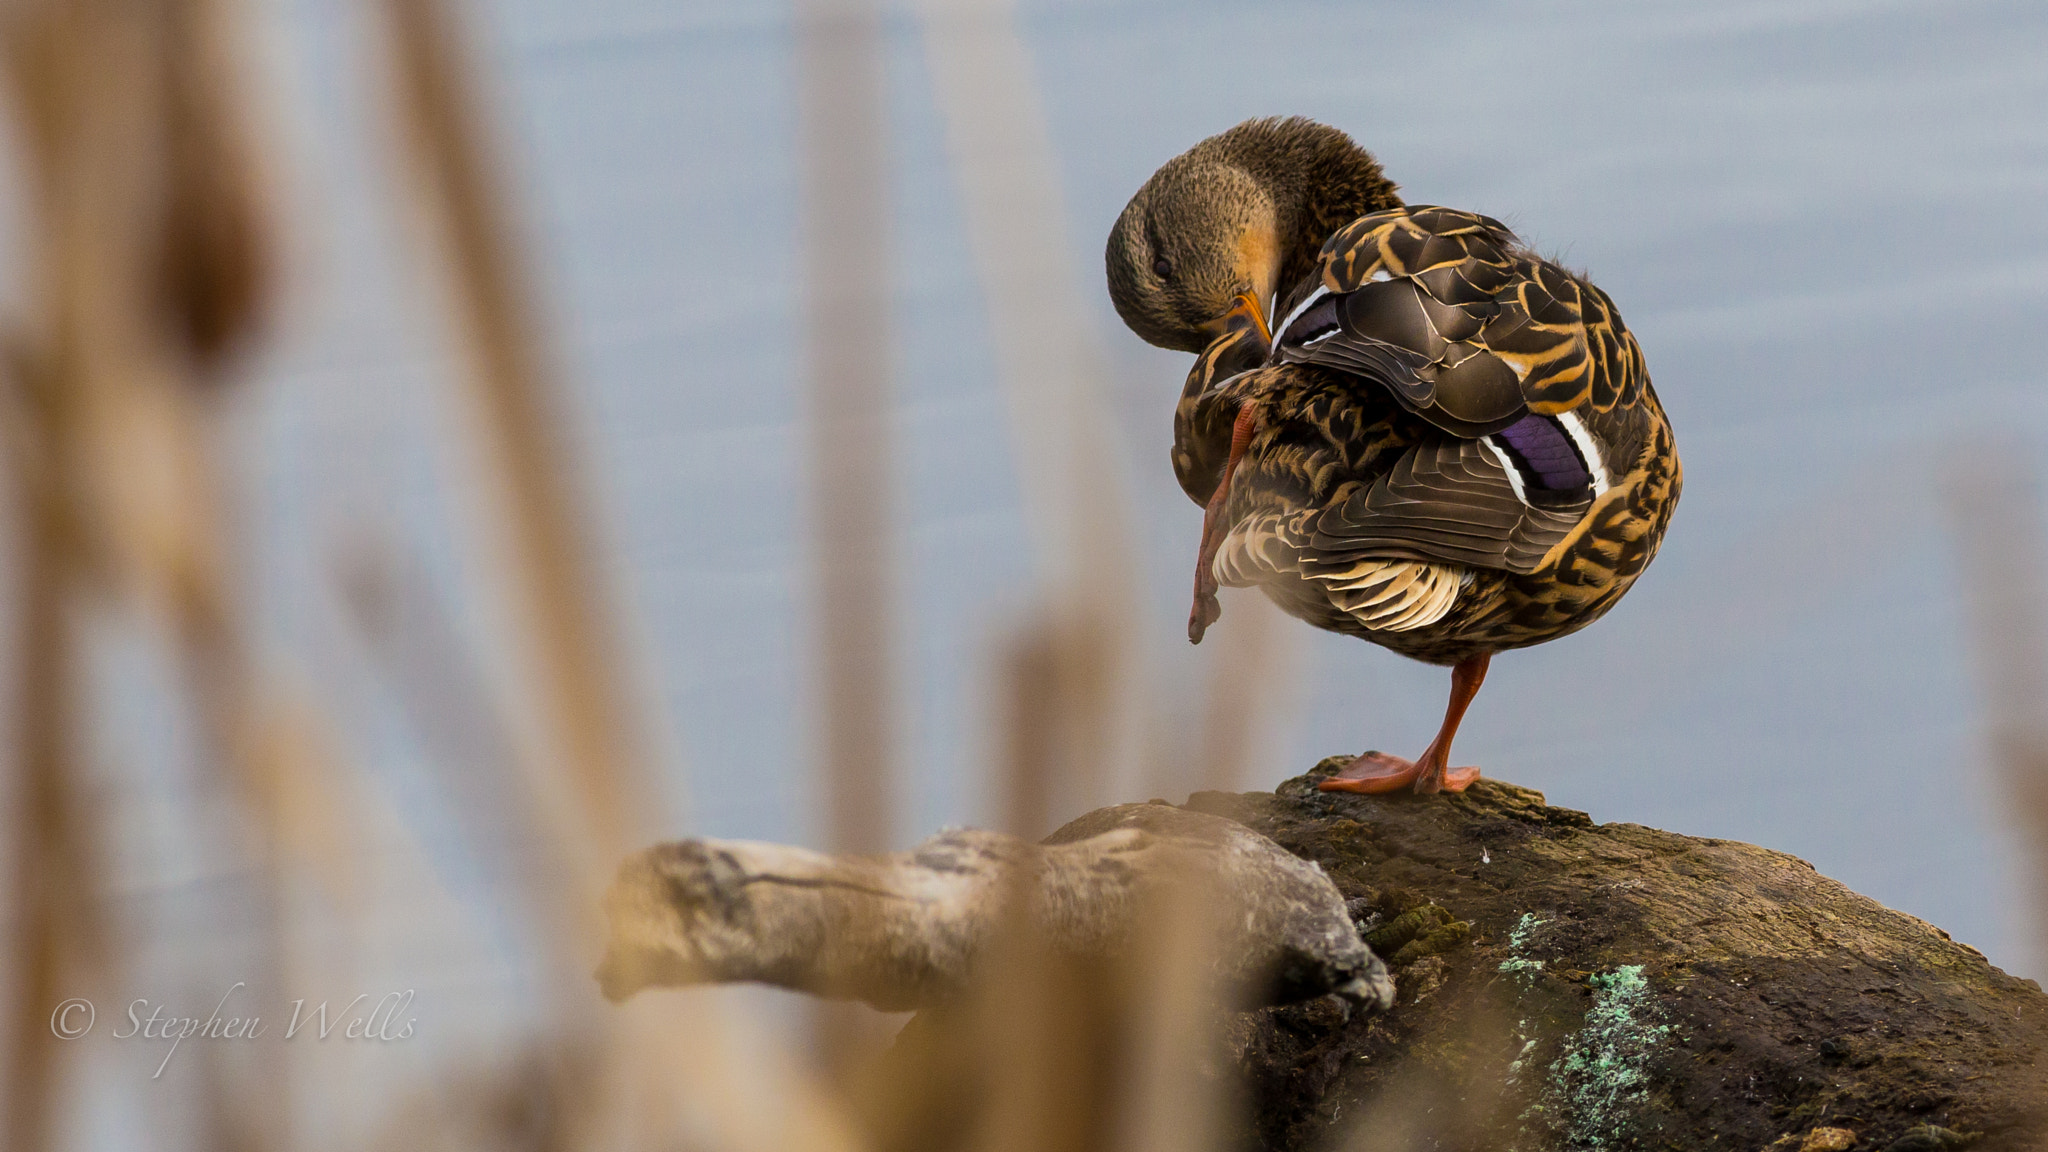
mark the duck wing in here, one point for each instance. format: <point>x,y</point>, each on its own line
<point>1464,325</point>
<point>1446,500</point>
<point>1392,545</point>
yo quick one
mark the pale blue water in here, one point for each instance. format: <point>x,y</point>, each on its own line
<point>1827,223</point>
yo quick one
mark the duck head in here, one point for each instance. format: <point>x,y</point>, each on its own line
<point>1196,254</point>
<point>1205,246</point>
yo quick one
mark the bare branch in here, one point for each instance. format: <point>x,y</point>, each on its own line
<point>908,929</point>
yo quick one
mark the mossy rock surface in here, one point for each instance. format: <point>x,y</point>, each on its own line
<point>1633,988</point>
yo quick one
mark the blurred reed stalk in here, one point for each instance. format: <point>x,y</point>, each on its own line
<point>1998,517</point>
<point>146,266</point>
<point>1073,1058</point>
<point>848,287</point>
<point>1070,1056</point>
<point>147,272</point>
<point>413,637</point>
<point>1076,1056</point>
<point>561,598</point>
<point>54,907</point>
<point>1252,671</point>
<point>848,353</point>
<point>1053,377</point>
<point>1177,1092</point>
<point>657,1074</point>
<point>588,731</point>
<point>1031,1010</point>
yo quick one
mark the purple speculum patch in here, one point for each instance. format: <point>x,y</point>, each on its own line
<point>1545,454</point>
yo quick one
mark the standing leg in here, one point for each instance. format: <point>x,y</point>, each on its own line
<point>1379,772</point>
<point>1435,775</point>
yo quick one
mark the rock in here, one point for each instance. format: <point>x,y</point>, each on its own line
<point>1635,988</point>
<point>1815,1140</point>
<point>1930,1138</point>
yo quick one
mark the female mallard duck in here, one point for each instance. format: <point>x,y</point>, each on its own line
<point>1446,445</point>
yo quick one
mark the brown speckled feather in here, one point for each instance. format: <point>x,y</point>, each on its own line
<point>1457,448</point>
<point>1466,326</point>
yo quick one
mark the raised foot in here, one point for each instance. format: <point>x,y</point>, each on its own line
<point>1377,772</point>
<point>1207,611</point>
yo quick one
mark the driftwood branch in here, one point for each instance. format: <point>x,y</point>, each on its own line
<point>908,930</point>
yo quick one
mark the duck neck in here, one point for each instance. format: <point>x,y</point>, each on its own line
<point>1319,180</point>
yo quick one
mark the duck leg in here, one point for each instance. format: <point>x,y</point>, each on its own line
<point>1207,610</point>
<point>1379,772</point>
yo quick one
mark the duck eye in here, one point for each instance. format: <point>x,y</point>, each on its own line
<point>1162,268</point>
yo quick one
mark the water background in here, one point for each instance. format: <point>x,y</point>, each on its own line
<point>1827,223</point>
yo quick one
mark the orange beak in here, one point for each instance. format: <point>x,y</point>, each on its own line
<point>1244,315</point>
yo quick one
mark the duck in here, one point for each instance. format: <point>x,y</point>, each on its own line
<point>1402,424</point>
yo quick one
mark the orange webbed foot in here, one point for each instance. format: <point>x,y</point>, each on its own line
<point>1373,772</point>
<point>1452,780</point>
<point>1377,772</point>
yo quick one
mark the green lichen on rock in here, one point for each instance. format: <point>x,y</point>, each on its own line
<point>1601,1076</point>
<point>1518,941</point>
<point>1521,1059</point>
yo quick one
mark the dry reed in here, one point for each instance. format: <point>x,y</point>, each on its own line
<point>147,270</point>
<point>2001,536</point>
<point>845,243</point>
<point>151,274</point>
<point>561,596</point>
<point>1053,378</point>
<point>637,1078</point>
